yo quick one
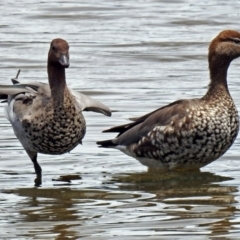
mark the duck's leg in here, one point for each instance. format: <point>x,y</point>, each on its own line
<point>37,168</point>
<point>38,171</point>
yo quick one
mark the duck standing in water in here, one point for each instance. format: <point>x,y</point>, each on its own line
<point>187,134</point>
<point>47,118</point>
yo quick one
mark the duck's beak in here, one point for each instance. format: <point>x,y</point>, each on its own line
<point>64,61</point>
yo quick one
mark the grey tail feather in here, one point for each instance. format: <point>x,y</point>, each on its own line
<point>106,144</point>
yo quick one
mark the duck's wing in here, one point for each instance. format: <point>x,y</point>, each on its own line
<point>88,104</point>
<point>11,90</point>
<point>8,92</point>
<point>20,96</point>
<point>141,126</point>
<point>162,115</point>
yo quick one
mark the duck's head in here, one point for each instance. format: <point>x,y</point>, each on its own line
<point>59,53</point>
<point>225,47</point>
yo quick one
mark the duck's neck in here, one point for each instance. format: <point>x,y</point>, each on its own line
<point>218,77</point>
<point>57,82</point>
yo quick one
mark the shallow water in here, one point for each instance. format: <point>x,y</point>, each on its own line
<point>134,56</point>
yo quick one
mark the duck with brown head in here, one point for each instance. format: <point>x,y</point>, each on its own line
<point>187,134</point>
<point>58,60</point>
<point>47,118</point>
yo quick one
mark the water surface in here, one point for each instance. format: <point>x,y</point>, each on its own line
<point>134,56</point>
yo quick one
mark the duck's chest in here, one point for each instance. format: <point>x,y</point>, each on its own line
<point>220,122</point>
<point>213,129</point>
<point>56,131</point>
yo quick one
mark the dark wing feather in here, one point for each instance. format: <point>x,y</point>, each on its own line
<point>160,112</point>
<point>3,96</point>
<point>133,132</point>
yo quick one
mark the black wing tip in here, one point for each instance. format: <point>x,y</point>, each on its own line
<point>107,130</point>
<point>106,144</point>
<point>107,113</point>
<point>118,129</point>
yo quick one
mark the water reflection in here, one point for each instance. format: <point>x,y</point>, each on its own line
<point>182,200</point>
<point>183,187</point>
<point>190,198</point>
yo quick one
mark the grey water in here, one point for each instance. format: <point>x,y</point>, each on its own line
<point>133,56</point>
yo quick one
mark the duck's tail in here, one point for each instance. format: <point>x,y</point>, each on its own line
<point>106,144</point>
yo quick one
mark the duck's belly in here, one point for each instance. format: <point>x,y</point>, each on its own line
<point>188,149</point>
<point>56,136</point>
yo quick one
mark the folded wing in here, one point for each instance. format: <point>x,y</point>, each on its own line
<point>132,132</point>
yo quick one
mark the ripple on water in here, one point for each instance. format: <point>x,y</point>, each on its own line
<point>145,203</point>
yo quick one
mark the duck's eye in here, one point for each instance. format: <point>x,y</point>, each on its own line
<point>53,48</point>
<point>236,40</point>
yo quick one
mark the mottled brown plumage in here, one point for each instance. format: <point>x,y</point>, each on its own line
<point>48,118</point>
<point>187,134</point>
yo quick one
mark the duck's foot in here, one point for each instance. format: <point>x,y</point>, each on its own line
<point>38,180</point>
